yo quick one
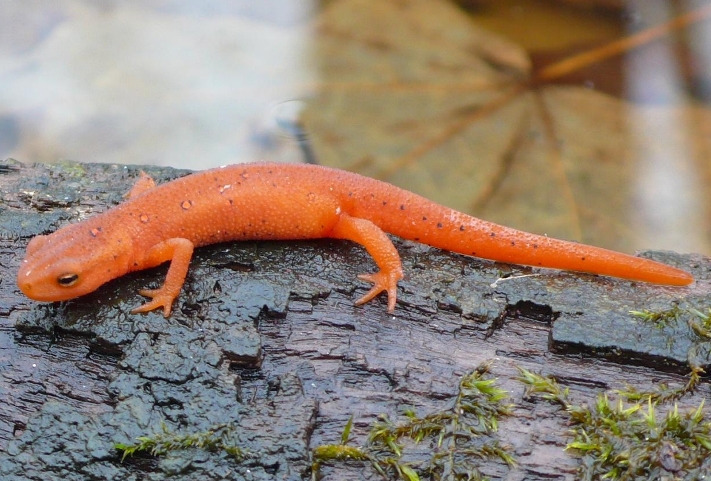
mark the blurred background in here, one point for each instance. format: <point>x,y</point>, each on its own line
<point>456,100</point>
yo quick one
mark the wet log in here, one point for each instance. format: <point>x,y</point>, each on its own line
<point>266,352</point>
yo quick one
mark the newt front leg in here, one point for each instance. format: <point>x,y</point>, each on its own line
<point>179,252</point>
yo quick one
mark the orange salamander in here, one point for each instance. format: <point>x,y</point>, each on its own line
<point>287,201</point>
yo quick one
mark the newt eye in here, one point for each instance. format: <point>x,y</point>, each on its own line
<point>68,279</point>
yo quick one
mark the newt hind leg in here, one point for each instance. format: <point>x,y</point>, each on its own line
<point>381,248</point>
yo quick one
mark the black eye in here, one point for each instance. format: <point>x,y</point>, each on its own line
<point>68,279</point>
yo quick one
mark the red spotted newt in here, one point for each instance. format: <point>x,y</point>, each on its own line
<point>281,201</point>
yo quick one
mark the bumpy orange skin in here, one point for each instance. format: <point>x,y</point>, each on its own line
<point>277,201</point>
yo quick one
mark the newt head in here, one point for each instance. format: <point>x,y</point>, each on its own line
<point>73,261</point>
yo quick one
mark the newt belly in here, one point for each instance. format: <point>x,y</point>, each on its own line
<point>287,201</point>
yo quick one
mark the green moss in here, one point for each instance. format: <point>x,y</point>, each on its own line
<point>630,440</point>
<point>660,319</point>
<point>454,438</point>
<point>71,168</point>
<point>699,322</point>
<point>664,393</point>
<point>214,439</point>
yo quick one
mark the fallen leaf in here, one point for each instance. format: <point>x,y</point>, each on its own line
<point>437,105</point>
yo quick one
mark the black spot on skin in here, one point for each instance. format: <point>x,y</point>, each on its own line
<point>350,194</point>
<point>462,228</point>
<point>424,218</point>
<point>135,264</point>
<point>385,202</point>
<point>402,206</point>
<point>493,234</point>
<point>535,246</point>
<point>474,253</point>
<point>439,225</point>
<point>582,258</point>
<point>513,243</point>
<point>417,239</point>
